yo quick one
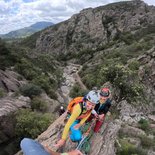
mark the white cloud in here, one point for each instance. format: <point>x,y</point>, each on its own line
<point>15,14</point>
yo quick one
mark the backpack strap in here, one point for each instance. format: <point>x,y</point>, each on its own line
<point>81,105</point>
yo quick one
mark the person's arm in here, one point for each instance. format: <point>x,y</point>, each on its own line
<point>74,152</point>
<point>53,153</point>
<point>50,151</point>
<point>76,112</point>
<point>84,119</point>
<point>95,113</point>
<point>107,107</point>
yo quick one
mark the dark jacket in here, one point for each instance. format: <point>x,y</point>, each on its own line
<point>103,108</point>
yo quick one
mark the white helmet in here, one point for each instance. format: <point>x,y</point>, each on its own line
<point>93,96</point>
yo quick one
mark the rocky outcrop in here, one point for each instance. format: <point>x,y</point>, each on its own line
<point>9,81</point>
<point>129,114</point>
<point>8,107</point>
<point>9,104</point>
<point>102,143</point>
<point>53,105</point>
<point>89,29</point>
<point>93,27</point>
<point>147,75</point>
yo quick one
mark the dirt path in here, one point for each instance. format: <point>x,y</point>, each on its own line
<point>78,80</point>
<point>71,76</point>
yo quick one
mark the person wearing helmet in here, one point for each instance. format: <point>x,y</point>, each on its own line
<point>78,116</point>
<point>102,108</point>
<point>61,110</point>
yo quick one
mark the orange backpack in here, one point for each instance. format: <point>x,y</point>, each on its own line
<point>73,102</point>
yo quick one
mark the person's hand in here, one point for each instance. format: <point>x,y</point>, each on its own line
<point>96,116</point>
<point>49,150</point>
<point>75,152</point>
<point>77,126</point>
<point>60,143</point>
<point>101,117</point>
<point>108,113</point>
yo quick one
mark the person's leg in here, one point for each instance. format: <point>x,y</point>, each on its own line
<point>32,147</point>
<point>98,124</point>
<point>75,135</point>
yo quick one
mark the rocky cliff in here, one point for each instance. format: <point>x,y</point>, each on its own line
<point>10,103</point>
<point>116,35</point>
<point>109,140</point>
<point>95,27</point>
<point>8,108</point>
<point>9,81</point>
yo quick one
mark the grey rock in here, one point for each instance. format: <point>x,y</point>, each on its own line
<point>93,27</point>
<point>8,107</point>
<point>9,81</point>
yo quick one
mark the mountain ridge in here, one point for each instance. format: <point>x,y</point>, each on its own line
<point>96,27</point>
<point>27,31</point>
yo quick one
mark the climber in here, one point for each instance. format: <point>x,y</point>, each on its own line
<point>102,108</point>
<point>32,147</point>
<point>79,114</point>
<point>61,110</point>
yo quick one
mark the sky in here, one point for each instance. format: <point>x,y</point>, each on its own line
<point>16,14</point>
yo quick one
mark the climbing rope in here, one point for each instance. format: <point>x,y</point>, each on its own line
<point>85,145</point>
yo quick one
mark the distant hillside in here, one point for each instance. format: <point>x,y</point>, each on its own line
<point>27,31</point>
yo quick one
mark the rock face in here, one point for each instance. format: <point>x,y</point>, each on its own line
<point>103,143</point>
<point>8,106</point>
<point>9,82</point>
<point>93,27</point>
<point>147,74</point>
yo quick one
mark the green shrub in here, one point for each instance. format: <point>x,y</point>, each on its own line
<point>134,65</point>
<point>147,142</point>
<point>129,149</point>
<point>89,80</point>
<point>127,37</point>
<point>1,93</point>
<point>43,82</point>
<point>46,83</point>
<point>7,59</point>
<point>38,104</point>
<point>30,90</point>
<point>30,41</point>
<point>144,124</point>
<point>44,60</point>
<point>133,48</point>
<point>31,124</point>
<point>52,94</point>
<point>27,69</point>
<point>77,91</point>
<point>120,76</point>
